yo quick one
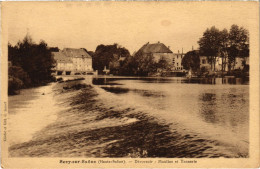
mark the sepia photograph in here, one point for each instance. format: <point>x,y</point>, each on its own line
<point>156,83</point>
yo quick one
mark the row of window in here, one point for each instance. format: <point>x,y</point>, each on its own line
<point>178,68</point>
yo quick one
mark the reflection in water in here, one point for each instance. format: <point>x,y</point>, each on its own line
<point>111,80</point>
<point>208,107</point>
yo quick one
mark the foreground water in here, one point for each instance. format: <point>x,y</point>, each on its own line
<point>136,117</point>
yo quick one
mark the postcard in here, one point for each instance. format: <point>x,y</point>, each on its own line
<point>130,84</point>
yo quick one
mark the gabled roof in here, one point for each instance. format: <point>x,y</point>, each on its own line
<point>75,53</point>
<point>60,57</point>
<point>154,48</point>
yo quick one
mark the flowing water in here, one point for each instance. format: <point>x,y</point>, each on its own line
<point>142,117</point>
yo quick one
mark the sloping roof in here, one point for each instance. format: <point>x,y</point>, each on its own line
<point>60,57</point>
<point>76,53</point>
<point>154,48</point>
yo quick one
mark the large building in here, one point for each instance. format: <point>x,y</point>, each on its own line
<point>161,51</point>
<point>71,61</point>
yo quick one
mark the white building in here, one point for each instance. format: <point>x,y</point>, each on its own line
<point>82,61</point>
<point>177,59</point>
<point>72,61</point>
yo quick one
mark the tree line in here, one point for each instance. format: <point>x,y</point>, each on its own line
<point>119,61</point>
<point>227,45</point>
<point>31,64</point>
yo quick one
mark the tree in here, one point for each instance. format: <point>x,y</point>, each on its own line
<point>223,48</point>
<point>31,63</point>
<point>105,54</point>
<point>238,44</point>
<point>210,44</point>
<point>224,44</point>
<point>163,65</point>
<point>191,61</point>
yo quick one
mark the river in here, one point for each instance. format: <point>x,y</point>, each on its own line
<point>137,117</point>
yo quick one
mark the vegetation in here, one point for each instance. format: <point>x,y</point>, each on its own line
<point>106,55</point>
<point>191,61</point>
<point>31,64</point>
<point>227,45</point>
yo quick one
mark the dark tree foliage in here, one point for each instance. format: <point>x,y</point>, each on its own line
<point>210,44</point>
<point>227,45</point>
<point>105,54</point>
<point>191,61</point>
<point>54,49</point>
<point>33,61</point>
<point>238,44</point>
<point>142,65</point>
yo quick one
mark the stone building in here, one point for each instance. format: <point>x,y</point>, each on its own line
<point>71,61</point>
<point>64,64</point>
<point>161,51</point>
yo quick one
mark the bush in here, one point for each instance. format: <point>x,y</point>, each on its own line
<point>19,73</point>
<point>14,84</point>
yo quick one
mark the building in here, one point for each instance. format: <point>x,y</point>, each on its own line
<point>82,61</point>
<point>176,60</point>
<point>64,64</point>
<point>204,63</point>
<point>238,64</point>
<point>73,61</point>
<point>161,51</point>
<point>157,50</point>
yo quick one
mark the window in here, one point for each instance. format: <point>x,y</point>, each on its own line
<point>173,60</point>
<point>177,64</point>
<point>177,56</point>
<point>203,61</point>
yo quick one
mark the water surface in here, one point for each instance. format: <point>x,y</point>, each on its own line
<point>141,117</point>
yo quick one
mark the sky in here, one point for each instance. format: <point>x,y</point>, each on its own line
<point>130,24</point>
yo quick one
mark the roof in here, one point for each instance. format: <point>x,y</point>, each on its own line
<point>76,53</point>
<point>60,57</point>
<point>154,48</point>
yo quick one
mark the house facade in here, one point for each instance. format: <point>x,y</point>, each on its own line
<point>176,60</point>
<point>71,61</point>
<point>82,61</point>
<point>64,64</point>
<point>160,51</point>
